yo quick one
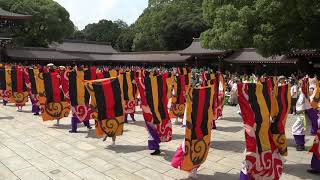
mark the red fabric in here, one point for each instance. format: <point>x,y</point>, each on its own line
<point>144,105</point>
<point>55,87</point>
<point>269,86</point>
<point>200,114</point>
<point>164,92</point>
<point>215,96</point>
<point>64,76</point>
<point>247,115</point>
<point>177,159</point>
<point>316,145</point>
<point>204,79</point>
<point>109,100</point>
<point>93,73</point>
<point>19,79</point>
<point>27,79</point>
<point>304,87</point>
<point>284,110</point>
<point>260,165</point>
<point>100,75</point>
<point>183,89</point>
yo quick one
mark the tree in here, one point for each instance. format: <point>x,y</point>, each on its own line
<point>168,25</point>
<point>104,31</point>
<point>50,22</point>
<point>274,27</point>
<point>125,40</point>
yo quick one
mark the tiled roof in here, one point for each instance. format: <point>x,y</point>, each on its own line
<point>38,54</point>
<point>84,47</point>
<point>10,15</point>
<point>196,49</point>
<point>250,55</point>
<point>161,57</point>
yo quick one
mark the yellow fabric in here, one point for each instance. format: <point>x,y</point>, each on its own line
<point>281,139</point>
<point>40,87</point>
<point>155,95</point>
<point>196,151</point>
<point>80,88</point>
<point>265,126</point>
<point>169,82</point>
<point>9,85</point>
<point>130,86</point>
<point>55,110</point>
<point>113,73</point>
<point>20,98</point>
<point>110,127</point>
<point>274,103</point>
<point>176,110</point>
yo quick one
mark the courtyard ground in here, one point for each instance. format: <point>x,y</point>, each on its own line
<point>31,149</point>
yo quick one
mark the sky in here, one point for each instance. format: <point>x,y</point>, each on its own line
<point>83,12</point>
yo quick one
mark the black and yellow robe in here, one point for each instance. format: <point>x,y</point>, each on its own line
<point>194,150</point>
<point>108,105</point>
<point>19,89</point>
<point>79,96</point>
<point>129,92</point>
<point>55,106</point>
<point>263,160</point>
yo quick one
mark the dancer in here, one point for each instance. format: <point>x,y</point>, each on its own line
<point>153,105</point>
<point>55,106</point>
<point>304,111</point>
<point>32,85</point>
<point>259,143</point>
<point>79,98</point>
<point>19,88</point>
<point>195,147</point>
<point>107,100</point>
<point>130,94</point>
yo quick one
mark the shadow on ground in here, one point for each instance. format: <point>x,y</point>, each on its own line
<point>167,155</point>
<point>25,111</point>
<point>229,129</point>
<point>7,118</point>
<point>178,136</point>
<point>63,126</point>
<point>232,119</point>
<point>139,123</point>
<point>127,148</point>
<point>233,146</point>
<point>295,170</point>
<point>216,176</point>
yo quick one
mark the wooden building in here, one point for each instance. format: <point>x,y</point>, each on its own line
<point>246,60</point>
<point>9,19</point>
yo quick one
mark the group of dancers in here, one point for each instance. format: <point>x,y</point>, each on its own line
<point>108,94</point>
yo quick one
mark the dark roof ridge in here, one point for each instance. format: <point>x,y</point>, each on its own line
<point>4,14</point>
<point>149,52</point>
<point>86,42</point>
<point>33,48</point>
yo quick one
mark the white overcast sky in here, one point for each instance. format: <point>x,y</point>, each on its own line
<point>83,12</point>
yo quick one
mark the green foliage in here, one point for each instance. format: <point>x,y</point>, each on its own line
<point>125,40</point>
<point>103,31</point>
<point>168,25</point>
<point>50,22</point>
<point>272,26</point>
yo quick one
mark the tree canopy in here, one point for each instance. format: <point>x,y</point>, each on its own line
<point>103,31</point>
<point>168,25</point>
<point>272,26</point>
<point>50,22</point>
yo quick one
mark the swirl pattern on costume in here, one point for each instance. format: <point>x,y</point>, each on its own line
<point>20,98</point>
<point>130,106</point>
<point>55,110</point>
<point>165,130</point>
<point>112,127</point>
<point>83,112</point>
